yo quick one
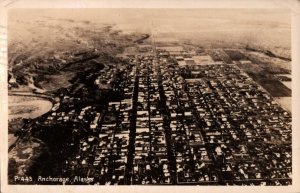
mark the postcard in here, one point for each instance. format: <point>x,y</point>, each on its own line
<point>149,96</point>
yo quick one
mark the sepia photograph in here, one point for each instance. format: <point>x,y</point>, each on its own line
<point>149,96</point>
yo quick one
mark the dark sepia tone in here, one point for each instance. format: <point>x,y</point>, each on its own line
<point>149,97</point>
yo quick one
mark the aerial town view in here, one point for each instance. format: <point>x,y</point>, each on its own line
<point>149,97</point>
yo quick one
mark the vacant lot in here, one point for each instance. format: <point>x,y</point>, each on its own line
<point>265,75</point>
<point>275,87</point>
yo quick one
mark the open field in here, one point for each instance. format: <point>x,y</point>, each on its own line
<point>11,139</point>
<point>285,102</point>
<point>27,107</point>
<point>275,87</point>
<point>265,75</point>
<point>287,84</point>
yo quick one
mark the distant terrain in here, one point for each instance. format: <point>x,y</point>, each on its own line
<point>43,44</point>
<point>45,53</point>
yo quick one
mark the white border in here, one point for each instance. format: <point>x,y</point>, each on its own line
<point>293,5</point>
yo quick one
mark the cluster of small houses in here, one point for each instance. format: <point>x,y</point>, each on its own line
<point>254,131</point>
<point>150,157</point>
<point>248,135</point>
<point>104,152</point>
<point>219,127</point>
<point>193,164</point>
